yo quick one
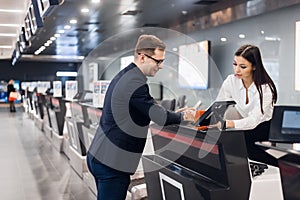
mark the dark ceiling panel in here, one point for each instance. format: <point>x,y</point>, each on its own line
<point>106,19</point>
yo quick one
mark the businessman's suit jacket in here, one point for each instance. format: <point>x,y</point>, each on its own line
<point>127,111</point>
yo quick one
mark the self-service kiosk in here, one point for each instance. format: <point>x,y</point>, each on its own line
<point>57,118</point>
<point>75,124</point>
<point>39,116</point>
<point>47,106</point>
<point>89,131</point>
<point>91,123</point>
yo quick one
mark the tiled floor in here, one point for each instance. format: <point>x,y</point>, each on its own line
<point>31,168</point>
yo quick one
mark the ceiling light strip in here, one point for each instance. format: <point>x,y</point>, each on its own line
<point>12,11</point>
<point>5,47</point>
<point>10,25</point>
<point>8,35</point>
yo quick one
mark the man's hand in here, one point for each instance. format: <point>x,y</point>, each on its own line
<point>189,114</point>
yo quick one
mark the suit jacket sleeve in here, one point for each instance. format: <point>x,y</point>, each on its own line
<point>142,103</point>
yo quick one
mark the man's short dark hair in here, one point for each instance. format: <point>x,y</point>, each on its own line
<point>148,44</point>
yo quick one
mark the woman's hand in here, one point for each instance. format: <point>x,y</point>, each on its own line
<point>228,124</point>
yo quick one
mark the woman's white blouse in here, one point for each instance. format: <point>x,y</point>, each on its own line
<point>233,89</point>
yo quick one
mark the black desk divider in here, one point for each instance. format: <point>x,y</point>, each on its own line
<point>75,128</point>
<point>57,114</point>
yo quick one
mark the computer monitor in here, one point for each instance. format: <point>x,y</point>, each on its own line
<point>214,113</point>
<point>285,124</point>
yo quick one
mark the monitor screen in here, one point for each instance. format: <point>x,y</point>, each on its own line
<point>285,124</point>
<point>291,122</point>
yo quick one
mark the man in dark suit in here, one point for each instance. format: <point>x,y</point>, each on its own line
<point>127,111</point>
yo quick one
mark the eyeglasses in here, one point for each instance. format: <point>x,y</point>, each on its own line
<point>158,62</point>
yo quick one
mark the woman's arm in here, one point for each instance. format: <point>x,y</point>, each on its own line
<point>255,116</point>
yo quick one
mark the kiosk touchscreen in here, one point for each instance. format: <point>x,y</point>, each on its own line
<point>285,124</point>
<point>214,113</point>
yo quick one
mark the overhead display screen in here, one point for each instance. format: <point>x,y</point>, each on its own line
<point>193,66</point>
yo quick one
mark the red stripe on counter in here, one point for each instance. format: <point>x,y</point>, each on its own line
<point>189,141</point>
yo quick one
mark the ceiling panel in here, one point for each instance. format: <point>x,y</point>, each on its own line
<point>10,18</point>
<point>105,19</point>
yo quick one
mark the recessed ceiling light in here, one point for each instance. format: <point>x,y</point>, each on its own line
<point>242,36</point>
<point>61,31</point>
<point>57,35</point>
<point>67,27</point>
<point>223,39</point>
<point>42,48</point>
<point>262,32</point>
<point>95,1</point>
<point>53,38</point>
<point>85,10</point>
<point>184,12</point>
<point>73,21</point>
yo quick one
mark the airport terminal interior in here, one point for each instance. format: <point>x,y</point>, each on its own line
<point>60,56</point>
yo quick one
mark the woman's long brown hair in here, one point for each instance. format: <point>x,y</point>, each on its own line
<point>260,76</point>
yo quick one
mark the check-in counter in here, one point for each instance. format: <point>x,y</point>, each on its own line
<point>289,165</point>
<point>89,131</point>
<point>213,164</point>
<point>283,135</point>
<point>32,102</point>
<point>47,106</point>
<point>77,146</point>
<point>39,116</point>
<point>57,118</point>
<point>91,123</point>
<point>189,164</point>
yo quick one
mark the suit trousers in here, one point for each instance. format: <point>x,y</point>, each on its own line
<point>111,184</point>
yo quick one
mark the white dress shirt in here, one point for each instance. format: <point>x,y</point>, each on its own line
<point>233,89</point>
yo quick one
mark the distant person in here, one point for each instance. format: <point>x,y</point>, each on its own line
<point>128,109</point>
<point>251,88</point>
<point>11,88</point>
<point>255,95</point>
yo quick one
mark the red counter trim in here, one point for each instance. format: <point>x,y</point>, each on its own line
<point>189,141</point>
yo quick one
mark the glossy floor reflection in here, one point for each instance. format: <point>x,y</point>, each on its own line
<point>30,166</point>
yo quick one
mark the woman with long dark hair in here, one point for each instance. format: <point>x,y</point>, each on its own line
<point>251,88</point>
